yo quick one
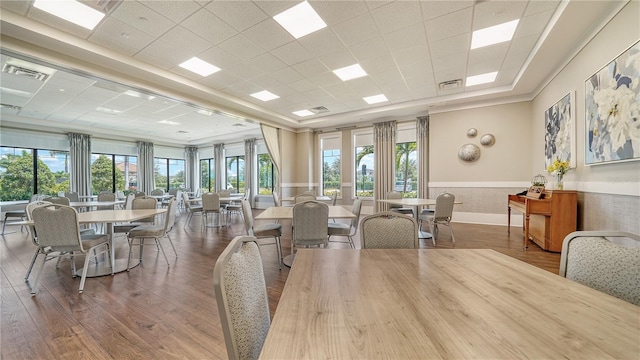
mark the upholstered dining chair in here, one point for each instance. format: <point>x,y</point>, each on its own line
<point>441,215</point>
<point>210,206</point>
<point>58,234</point>
<point>303,197</point>
<point>389,230</point>
<point>34,237</point>
<point>310,224</point>
<point>608,261</point>
<point>241,295</point>
<point>155,232</point>
<point>157,192</point>
<point>138,203</point>
<point>60,200</point>
<point>191,208</point>
<point>347,230</point>
<point>266,230</point>
<point>309,192</point>
<point>72,196</point>
<point>398,208</point>
<point>235,207</point>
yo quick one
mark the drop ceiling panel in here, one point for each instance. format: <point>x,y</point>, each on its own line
<point>321,42</point>
<point>269,35</point>
<point>397,15</point>
<point>449,25</point>
<point>208,26</point>
<point>357,29</point>
<point>241,15</point>
<point>490,13</point>
<point>292,53</point>
<point>119,36</point>
<point>434,9</point>
<point>142,18</point>
<point>174,10</point>
<point>406,38</point>
<point>241,47</point>
<point>334,12</point>
<point>369,49</point>
<point>162,52</point>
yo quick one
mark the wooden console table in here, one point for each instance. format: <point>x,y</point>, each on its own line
<point>547,220</point>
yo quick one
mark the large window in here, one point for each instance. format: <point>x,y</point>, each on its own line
<point>24,172</point>
<point>266,174</point>
<point>113,173</point>
<point>169,173</point>
<point>406,169</point>
<point>330,146</point>
<point>235,172</point>
<point>207,175</point>
<point>364,171</point>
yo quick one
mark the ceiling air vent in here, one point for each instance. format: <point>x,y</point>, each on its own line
<point>451,84</point>
<point>182,132</point>
<point>22,71</point>
<point>319,109</point>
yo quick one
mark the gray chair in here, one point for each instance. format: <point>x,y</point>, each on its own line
<point>128,201</point>
<point>608,261</point>
<point>268,230</point>
<point>155,232</point>
<point>120,195</point>
<point>72,196</point>
<point>138,203</point>
<point>34,237</point>
<point>157,192</point>
<point>20,215</point>
<point>139,193</point>
<point>235,207</point>
<point>303,197</point>
<point>398,208</point>
<point>389,230</point>
<point>59,200</point>
<point>106,197</point>
<point>241,295</point>
<point>210,206</point>
<point>58,233</point>
<point>348,230</point>
<point>441,215</point>
<point>310,224</point>
<point>191,208</point>
<point>309,192</point>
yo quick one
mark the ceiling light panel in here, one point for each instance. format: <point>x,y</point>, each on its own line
<point>481,79</point>
<point>375,99</point>
<point>303,113</point>
<point>72,11</point>
<point>350,72</point>
<point>300,20</point>
<point>199,66</point>
<point>265,95</point>
<point>494,34</point>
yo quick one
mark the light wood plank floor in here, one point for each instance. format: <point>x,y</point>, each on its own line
<point>160,312</point>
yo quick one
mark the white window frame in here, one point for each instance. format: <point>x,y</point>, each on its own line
<point>332,137</point>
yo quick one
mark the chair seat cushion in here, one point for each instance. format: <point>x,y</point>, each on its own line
<point>270,229</point>
<point>146,231</point>
<point>339,229</point>
<point>195,208</point>
<point>92,240</point>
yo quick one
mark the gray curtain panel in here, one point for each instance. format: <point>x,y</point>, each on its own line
<point>422,131</point>
<point>250,169</point>
<point>218,155</point>
<point>146,179</point>
<point>271,138</point>
<point>80,160</point>
<point>384,148</point>
<point>191,164</point>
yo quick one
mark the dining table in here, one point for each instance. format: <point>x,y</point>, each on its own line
<point>442,303</point>
<point>416,203</point>
<point>318,198</point>
<point>286,213</point>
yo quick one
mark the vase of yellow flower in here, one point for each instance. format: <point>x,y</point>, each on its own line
<point>559,168</point>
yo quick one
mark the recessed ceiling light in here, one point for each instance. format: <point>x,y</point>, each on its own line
<point>139,95</point>
<point>494,34</point>
<point>204,112</point>
<point>481,79</point>
<point>265,95</point>
<point>300,20</point>
<point>199,66</point>
<point>375,99</point>
<point>70,10</point>
<point>350,72</point>
<point>108,111</point>
<point>303,113</point>
<point>167,122</point>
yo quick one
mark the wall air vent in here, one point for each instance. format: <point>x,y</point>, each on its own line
<point>319,109</point>
<point>451,84</point>
<point>22,71</point>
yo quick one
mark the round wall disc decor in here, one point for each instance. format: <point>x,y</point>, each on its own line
<point>469,152</point>
<point>487,139</point>
<point>472,133</point>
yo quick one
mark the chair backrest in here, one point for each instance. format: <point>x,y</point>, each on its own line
<point>444,206</point>
<point>170,219</point>
<point>334,198</point>
<point>185,201</point>
<point>120,195</point>
<point>128,201</point>
<point>198,193</point>
<point>303,197</point>
<point>241,295</point>
<point>72,196</point>
<point>60,200</point>
<point>104,192</point>
<point>157,192</point>
<point>29,211</point>
<point>145,202</point>
<point>276,199</point>
<point>309,192</point>
<point>106,197</point>
<point>173,192</point>
<point>310,223</point>
<point>389,230</point>
<point>393,195</point>
<point>357,207</point>
<point>224,194</point>
<point>247,214</point>
<point>140,193</point>
<point>57,227</point>
<point>210,202</point>
<point>593,259</point>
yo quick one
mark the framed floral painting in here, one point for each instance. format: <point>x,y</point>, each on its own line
<point>560,129</point>
<point>612,110</point>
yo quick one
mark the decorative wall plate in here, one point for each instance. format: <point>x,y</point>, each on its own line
<point>469,152</point>
<point>487,140</point>
<point>472,132</point>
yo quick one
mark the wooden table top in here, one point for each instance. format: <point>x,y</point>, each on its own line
<point>412,201</point>
<point>442,303</point>
<point>318,198</point>
<point>286,212</point>
<point>94,203</point>
<point>111,216</point>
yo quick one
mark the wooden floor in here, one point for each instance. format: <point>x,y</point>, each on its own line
<point>159,312</point>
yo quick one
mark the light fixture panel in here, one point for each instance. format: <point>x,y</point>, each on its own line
<point>481,79</point>
<point>494,34</point>
<point>300,20</point>
<point>72,11</point>
<point>350,72</point>
<point>265,95</point>
<point>199,66</point>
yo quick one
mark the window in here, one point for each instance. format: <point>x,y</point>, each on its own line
<point>207,174</point>
<point>330,146</point>
<point>24,172</point>
<point>235,172</point>
<point>113,173</point>
<point>168,173</point>
<point>364,163</point>
<point>266,175</point>
<point>128,167</point>
<point>406,169</point>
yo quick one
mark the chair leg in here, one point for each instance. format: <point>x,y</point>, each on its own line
<point>279,250</point>
<point>453,238</point>
<point>34,289</point>
<point>173,247</point>
<point>33,261</point>
<point>162,249</point>
<point>433,234</point>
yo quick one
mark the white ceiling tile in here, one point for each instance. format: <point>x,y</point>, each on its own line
<point>493,54</point>
<point>449,25</point>
<point>459,44</point>
<point>174,10</point>
<point>397,15</point>
<point>268,34</point>
<point>533,25</point>
<point>325,79</point>
<point>369,49</point>
<point>389,79</point>
<point>334,12</point>
<point>302,85</point>
<point>218,57</point>
<point>244,70</point>
<point>310,68</point>
<point>162,51</point>
<point>514,61</point>
<point>208,26</point>
<point>142,18</point>
<point>116,35</point>
<point>241,15</point>
<point>406,38</point>
<point>274,7</point>
<point>357,29</point>
<point>434,9</point>
<point>534,7</point>
<point>338,59</point>
<point>287,75</point>
<point>364,86</point>
<point>221,80</point>
<point>411,55</point>
<point>490,13</point>
<point>379,65</point>
<point>267,63</point>
<point>241,47</point>
<point>292,53</point>
<point>321,42</point>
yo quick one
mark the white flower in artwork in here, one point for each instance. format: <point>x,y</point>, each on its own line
<point>617,110</point>
<point>563,137</point>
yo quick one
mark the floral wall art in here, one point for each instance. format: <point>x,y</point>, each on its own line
<point>612,97</point>
<point>559,135</point>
